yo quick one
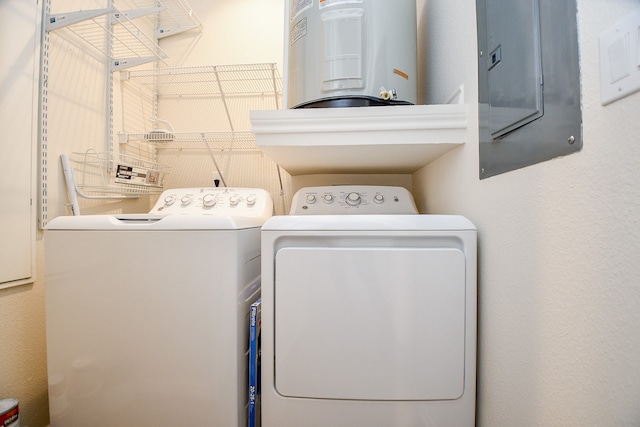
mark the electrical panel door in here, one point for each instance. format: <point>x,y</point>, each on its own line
<point>513,63</point>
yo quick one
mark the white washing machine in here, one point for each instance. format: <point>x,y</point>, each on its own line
<point>147,315</point>
<point>368,313</point>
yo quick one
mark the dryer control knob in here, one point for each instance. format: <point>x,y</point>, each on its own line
<point>209,200</point>
<point>233,200</point>
<point>251,200</point>
<point>185,200</point>
<point>311,198</point>
<point>353,199</point>
<point>169,200</point>
<point>328,198</point>
<point>378,198</point>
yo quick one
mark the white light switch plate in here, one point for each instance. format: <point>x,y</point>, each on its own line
<point>620,59</point>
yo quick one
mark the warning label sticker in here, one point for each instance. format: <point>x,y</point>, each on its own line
<point>298,30</point>
<point>126,174</point>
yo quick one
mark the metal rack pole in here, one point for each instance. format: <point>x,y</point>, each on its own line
<point>224,99</point>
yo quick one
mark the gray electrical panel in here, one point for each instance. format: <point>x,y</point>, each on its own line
<point>529,83</point>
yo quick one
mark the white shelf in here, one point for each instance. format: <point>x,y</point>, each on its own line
<point>218,96</point>
<point>114,33</point>
<point>125,44</point>
<point>216,141</point>
<point>390,139</point>
<point>211,80</point>
<point>175,18</point>
<point>97,174</point>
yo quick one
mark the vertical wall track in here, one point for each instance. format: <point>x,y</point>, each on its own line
<point>44,78</point>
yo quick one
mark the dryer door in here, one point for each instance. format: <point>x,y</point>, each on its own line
<point>370,323</point>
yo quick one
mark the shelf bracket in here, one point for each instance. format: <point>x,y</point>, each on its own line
<point>120,64</point>
<point>137,13</point>
<point>172,31</point>
<point>176,19</point>
<point>61,20</point>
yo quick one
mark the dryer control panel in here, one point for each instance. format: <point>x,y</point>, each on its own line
<point>353,199</point>
<point>246,202</point>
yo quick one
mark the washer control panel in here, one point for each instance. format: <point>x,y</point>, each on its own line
<point>352,199</point>
<point>247,202</point>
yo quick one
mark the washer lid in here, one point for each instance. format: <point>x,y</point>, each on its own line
<point>153,222</point>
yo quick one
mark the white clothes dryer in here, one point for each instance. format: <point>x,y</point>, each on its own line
<point>147,315</point>
<point>368,313</point>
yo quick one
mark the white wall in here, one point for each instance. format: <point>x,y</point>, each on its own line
<point>559,278</point>
<point>559,338</point>
<point>236,32</point>
<point>23,370</point>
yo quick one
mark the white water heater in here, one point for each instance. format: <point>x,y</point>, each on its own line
<point>350,53</point>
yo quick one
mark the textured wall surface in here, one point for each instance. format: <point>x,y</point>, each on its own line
<point>559,278</point>
<point>23,367</point>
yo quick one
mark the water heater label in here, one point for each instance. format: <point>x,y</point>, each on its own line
<point>298,30</point>
<point>296,7</point>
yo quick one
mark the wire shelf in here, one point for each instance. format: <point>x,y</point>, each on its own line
<point>113,33</point>
<point>217,141</point>
<point>198,121</point>
<point>208,106</point>
<point>110,173</point>
<point>177,17</point>
<point>211,80</point>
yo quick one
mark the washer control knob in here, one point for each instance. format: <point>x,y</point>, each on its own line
<point>353,199</point>
<point>169,200</point>
<point>251,200</point>
<point>233,200</point>
<point>209,200</point>
<point>311,198</point>
<point>378,198</point>
<point>185,200</point>
<point>328,198</point>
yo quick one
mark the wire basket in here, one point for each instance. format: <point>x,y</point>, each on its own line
<point>117,173</point>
